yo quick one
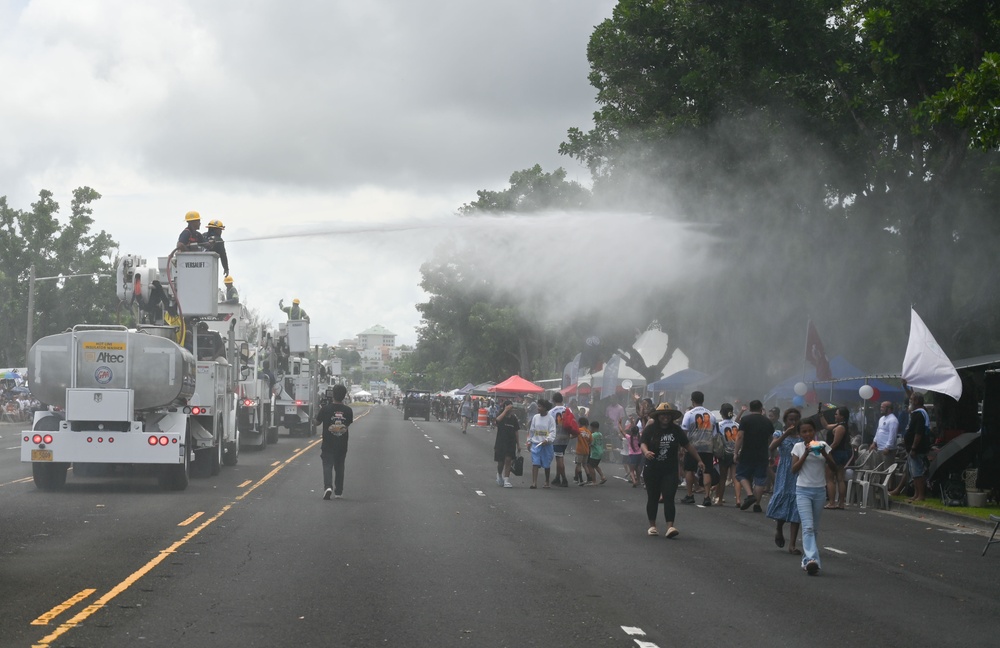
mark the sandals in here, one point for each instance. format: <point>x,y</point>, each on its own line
<point>829,507</point>
<point>779,540</point>
<point>795,552</point>
<point>671,533</point>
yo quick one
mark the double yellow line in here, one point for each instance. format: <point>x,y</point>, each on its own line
<point>84,614</point>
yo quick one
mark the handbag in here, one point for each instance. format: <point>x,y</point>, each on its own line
<point>718,446</point>
<point>517,466</point>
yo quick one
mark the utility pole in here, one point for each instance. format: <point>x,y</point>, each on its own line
<point>31,313</point>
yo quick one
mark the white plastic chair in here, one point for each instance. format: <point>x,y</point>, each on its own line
<point>878,486</point>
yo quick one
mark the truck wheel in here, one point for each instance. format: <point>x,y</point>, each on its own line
<point>49,476</point>
<point>218,455</point>
<point>272,435</point>
<point>176,477</point>
<point>232,453</point>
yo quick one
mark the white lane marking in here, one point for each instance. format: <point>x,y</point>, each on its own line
<point>622,478</point>
<point>426,437</point>
<point>481,493</point>
<point>836,551</point>
<point>638,632</point>
<point>445,456</point>
<point>458,472</point>
<point>15,448</point>
<point>437,447</point>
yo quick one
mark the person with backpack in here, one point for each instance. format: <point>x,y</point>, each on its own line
<point>566,428</point>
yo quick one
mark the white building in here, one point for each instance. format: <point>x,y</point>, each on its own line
<point>376,337</point>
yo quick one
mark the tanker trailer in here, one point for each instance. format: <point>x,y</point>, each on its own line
<point>119,398</point>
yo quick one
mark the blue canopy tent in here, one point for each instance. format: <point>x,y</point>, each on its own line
<point>679,381</point>
<point>847,380</point>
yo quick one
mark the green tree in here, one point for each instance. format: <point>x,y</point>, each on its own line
<point>532,190</point>
<point>37,237</point>
<point>799,130</point>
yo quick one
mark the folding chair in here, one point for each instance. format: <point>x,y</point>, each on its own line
<point>991,541</point>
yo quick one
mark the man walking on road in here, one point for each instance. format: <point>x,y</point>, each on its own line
<point>336,418</point>
<point>700,426</point>
<point>752,442</point>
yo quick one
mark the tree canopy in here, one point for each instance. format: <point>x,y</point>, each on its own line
<point>38,237</point>
<point>843,156</point>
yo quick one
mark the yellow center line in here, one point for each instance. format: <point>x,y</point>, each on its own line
<point>192,518</point>
<point>62,607</point>
<point>247,482</point>
<point>18,481</point>
<point>97,605</point>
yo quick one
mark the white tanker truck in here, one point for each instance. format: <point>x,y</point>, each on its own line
<point>137,397</point>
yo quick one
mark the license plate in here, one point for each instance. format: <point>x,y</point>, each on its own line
<point>291,409</point>
<point>41,455</point>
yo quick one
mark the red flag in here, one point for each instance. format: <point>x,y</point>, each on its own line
<point>816,355</point>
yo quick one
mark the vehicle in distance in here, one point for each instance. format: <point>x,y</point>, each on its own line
<point>417,404</point>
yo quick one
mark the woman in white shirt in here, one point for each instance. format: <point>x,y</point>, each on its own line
<point>809,458</point>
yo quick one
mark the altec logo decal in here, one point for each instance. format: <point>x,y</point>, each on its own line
<point>103,375</point>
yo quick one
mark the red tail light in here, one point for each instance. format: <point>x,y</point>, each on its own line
<point>37,438</point>
<point>151,441</point>
<point>47,438</point>
<point>298,402</point>
<point>164,440</point>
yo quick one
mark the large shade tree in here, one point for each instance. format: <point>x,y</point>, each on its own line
<point>55,246</point>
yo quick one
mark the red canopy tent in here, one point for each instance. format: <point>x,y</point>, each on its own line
<point>572,390</point>
<point>516,385</point>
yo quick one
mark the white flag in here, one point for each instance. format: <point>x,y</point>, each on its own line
<point>925,366</point>
<point>610,382</point>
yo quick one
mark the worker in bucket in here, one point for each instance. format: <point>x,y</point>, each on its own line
<point>232,295</point>
<point>294,312</point>
<point>191,238</point>
<point>214,243</point>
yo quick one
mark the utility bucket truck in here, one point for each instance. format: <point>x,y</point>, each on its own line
<point>159,396</point>
<point>297,384</point>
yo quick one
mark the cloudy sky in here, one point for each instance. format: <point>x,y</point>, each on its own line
<point>363,124</point>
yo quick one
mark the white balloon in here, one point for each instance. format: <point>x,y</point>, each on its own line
<point>866,392</point>
<point>801,388</point>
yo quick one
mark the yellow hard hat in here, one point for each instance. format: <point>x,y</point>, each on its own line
<point>217,224</point>
<point>295,301</point>
<point>192,216</point>
<point>227,280</point>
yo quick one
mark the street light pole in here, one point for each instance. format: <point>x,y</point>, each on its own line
<point>32,279</point>
<point>31,313</point>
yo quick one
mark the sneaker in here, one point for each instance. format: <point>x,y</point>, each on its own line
<point>671,533</point>
<point>748,501</point>
<point>707,501</point>
<point>812,567</point>
<point>651,531</point>
<point>688,499</point>
<point>338,496</point>
<point>499,480</point>
<point>328,493</point>
<point>507,484</point>
<point>757,508</point>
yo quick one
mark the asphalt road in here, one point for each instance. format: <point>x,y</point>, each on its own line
<point>426,550</point>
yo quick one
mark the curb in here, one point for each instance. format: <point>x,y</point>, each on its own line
<point>942,517</point>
